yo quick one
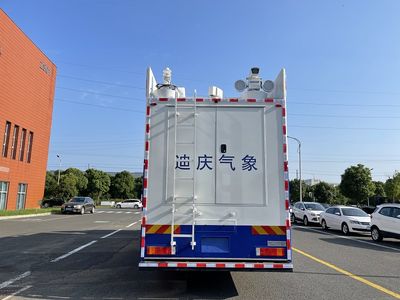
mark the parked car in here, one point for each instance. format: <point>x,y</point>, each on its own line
<point>325,205</point>
<point>385,222</point>
<point>345,218</point>
<point>368,209</point>
<point>129,203</point>
<point>52,202</point>
<point>79,205</point>
<point>307,212</point>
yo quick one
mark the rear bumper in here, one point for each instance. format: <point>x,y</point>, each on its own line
<point>204,265</point>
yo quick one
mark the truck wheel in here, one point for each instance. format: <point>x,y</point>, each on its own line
<point>305,221</point>
<point>376,234</point>
<point>345,229</point>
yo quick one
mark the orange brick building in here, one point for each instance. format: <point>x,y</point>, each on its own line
<point>27,81</point>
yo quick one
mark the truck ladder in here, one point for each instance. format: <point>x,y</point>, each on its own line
<point>192,108</point>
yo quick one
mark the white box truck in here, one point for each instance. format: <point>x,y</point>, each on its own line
<point>215,188</point>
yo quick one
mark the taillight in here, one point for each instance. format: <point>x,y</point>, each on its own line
<point>270,251</point>
<point>157,250</point>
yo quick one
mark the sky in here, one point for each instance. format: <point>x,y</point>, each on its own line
<point>342,60</point>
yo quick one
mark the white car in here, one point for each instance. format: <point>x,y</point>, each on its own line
<point>385,222</point>
<point>307,212</point>
<point>129,203</point>
<point>346,218</point>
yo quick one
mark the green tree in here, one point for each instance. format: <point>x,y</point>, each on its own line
<point>379,188</point>
<point>68,186</point>
<point>339,197</point>
<point>294,190</point>
<point>392,187</point>
<point>98,183</point>
<point>357,184</point>
<point>324,192</point>
<point>138,187</point>
<point>50,189</point>
<point>122,185</point>
<point>81,180</point>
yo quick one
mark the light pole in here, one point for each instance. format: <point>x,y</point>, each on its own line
<point>299,151</point>
<point>59,168</point>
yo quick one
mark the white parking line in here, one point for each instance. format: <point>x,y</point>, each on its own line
<point>349,238</point>
<point>119,212</point>
<point>130,225</point>
<point>128,212</point>
<point>11,281</point>
<point>109,212</point>
<point>100,211</point>
<point>110,234</point>
<point>138,212</point>
<point>73,251</point>
<point>17,292</point>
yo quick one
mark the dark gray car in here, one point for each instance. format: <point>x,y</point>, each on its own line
<point>78,205</point>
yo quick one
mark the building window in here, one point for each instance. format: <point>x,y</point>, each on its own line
<point>22,145</point>
<point>14,143</point>
<point>3,194</point>
<point>30,142</point>
<point>21,196</point>
<point>6,139</point>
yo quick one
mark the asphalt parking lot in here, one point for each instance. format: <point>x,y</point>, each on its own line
<point>96,256</point>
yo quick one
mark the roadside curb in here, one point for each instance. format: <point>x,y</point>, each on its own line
<point>25,216</point>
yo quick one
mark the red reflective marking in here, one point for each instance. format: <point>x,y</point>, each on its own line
<point>259,266</point>
<point>147,128</point>
<point>253,231</point>
<point>272,251</point>
<point>234,100</point>
<point>216,100</point>
<point>269,100</point>
<point>145,183</point>
<point>286,185</point>
<point>199,100</point>
<point>283,112</point>
<point>163,99</point>
<point>284,148</point>
<point>148,111</point>
<point>142,242</point>
<point>146,146</point>
<point>158,250</point>
<point>288,244</point>
<point>277,266</point>
<point>220,265</point>
<point>287,204</point>
<point>181,99</point>
<point>182,265</point>
<point>278,105</point>
<point>162,265</point>
<point>143,221</point>
<point>144,201</point>
<point>285,166</point>
<point>251,100</point>
<point>239,266</point>
<point>284,129</point>
<point>201,265</point>
<point>146,164</point>
<point>287,224</point>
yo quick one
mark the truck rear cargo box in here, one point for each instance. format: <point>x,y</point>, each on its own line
<point>216,178</point>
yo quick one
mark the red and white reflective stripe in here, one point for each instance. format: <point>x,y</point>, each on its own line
<point>282,105</point>
<point>145,177</point>
<point>215,265</point>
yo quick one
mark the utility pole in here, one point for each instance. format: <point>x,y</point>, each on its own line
<point>299,151</point>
